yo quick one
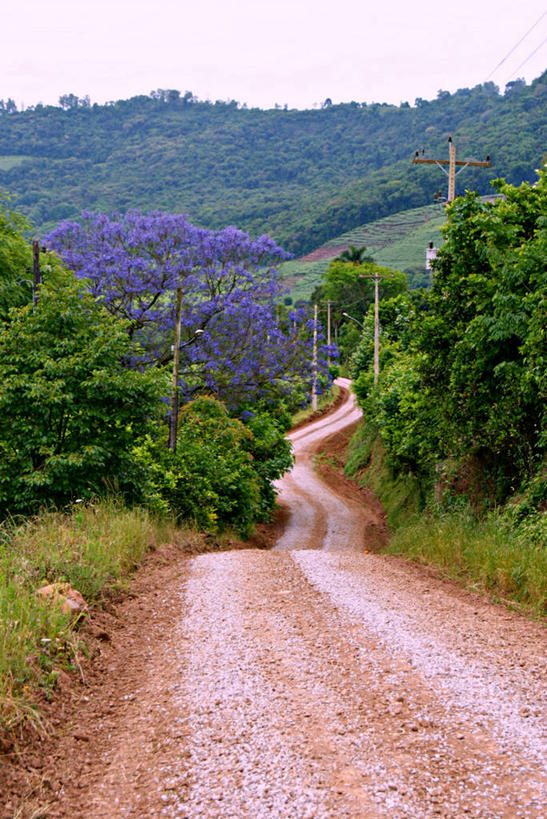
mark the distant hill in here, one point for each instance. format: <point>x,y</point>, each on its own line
<point>398,241</point>
<point>302,176</point>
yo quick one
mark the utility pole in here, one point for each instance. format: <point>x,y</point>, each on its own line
<point>376,277</point>
<point>173,420</point>
<point>37,278</point>
<point>452,164</point>
<point>314,361</point>
<point>328,329</point>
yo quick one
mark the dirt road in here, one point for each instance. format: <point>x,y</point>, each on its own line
<point>310,681</point>
<point>319,519</point>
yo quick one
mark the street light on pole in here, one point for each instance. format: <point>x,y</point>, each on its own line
<point>347,315</point>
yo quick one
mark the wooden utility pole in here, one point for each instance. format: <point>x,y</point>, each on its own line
<point>328,330</point>
<point>314,362</point>
<point>173,420</point>
<point>376,277</point>
<point>452,164</point>
<point>37,277</point>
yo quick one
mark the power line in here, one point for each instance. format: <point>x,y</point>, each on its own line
<point>524,36</point>
<point>529,57</point>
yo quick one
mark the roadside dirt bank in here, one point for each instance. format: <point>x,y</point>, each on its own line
<point>33,765</point>
<point>311,681</point>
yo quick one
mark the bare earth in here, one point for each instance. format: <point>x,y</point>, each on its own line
<point>313,680</point>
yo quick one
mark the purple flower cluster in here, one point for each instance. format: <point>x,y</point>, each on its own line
<point>248,347</point>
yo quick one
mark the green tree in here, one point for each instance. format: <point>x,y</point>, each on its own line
<point>15,259</point>
<point>484,339</point>
<point>70,412</point>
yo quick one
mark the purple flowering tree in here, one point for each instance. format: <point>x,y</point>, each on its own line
<point>133,263</point>
<point>230,291</point>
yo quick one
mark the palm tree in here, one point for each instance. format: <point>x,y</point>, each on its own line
<point>355,255</point>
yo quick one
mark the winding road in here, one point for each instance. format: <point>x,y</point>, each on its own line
<point>318,518</point>
<point>316,681</point>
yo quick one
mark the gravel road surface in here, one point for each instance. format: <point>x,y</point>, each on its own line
<point>319,681</point>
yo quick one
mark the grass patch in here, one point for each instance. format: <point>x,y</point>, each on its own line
<point>367,464</point>
<point>508,561</point>
<point>93,548</point>
<point>323,402</point>
<point>498,554</point>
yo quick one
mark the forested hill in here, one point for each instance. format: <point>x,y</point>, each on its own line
<point>303,176</point>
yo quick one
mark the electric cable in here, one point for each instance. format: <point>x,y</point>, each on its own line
<point>529,57</point>
<point>524,36</point>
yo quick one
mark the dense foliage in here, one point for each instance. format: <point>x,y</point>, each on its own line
<point>462,394</point>
<point>246,350</point>
<point>83,406</point>
<point>69,412</point>
<point>214,477</point>
<point>302,176</point>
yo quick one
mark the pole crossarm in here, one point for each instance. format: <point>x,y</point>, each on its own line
<point>377,276</point>
<point>447,162</point>
<point>452,164</point>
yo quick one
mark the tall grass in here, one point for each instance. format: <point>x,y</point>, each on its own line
<point>94,549</point>
<point>323,402</point>
<point>501,553</point>
<point>506,559</point>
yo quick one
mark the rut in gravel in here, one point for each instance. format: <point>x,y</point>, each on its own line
<point>317,681</point>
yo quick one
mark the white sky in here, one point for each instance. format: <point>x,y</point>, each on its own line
<point>264,52</point>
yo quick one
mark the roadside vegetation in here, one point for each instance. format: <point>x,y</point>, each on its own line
<point>93,548</point>
<point>454,435</point>
<point>495,553</point>
<point>324,402</point>
<point>88,483</point>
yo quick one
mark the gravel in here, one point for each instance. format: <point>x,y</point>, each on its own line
<point>317,681</point>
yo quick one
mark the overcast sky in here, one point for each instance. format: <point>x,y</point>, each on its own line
<point>264,52</point>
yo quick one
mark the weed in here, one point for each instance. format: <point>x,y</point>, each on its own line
<point>93,548</point>
<point>505,560</point>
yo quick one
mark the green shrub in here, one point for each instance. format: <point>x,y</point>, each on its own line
<point>210,479</point>
<point>70,412</point>
<point>271,453</point>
